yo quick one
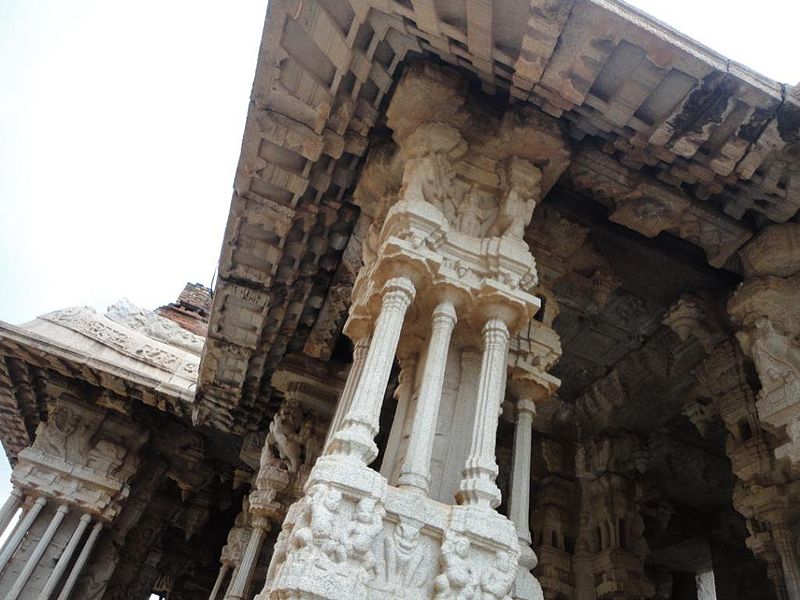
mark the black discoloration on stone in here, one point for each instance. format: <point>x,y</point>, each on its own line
<point>789,123</point>
<point>707,103</point>
<point>751,130</point>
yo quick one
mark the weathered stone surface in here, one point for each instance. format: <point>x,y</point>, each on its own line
<point>576,426</point>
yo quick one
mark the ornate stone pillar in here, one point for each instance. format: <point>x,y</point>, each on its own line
<point>360,349</point>
<point>785,543</point>
<point>80,562</point>
<point>65,558</point>
<point>20,531</point>
<point>37,553</point>
<point>355,440</point>
<point>9,509</point>
<point>415,472</point>
<point>478,479</point>
<point>244,573</point>
<point>766,307</point>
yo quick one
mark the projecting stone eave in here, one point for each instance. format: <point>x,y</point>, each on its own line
<point>110,366</point>
<point>641,19</point>
<point>620,80</point>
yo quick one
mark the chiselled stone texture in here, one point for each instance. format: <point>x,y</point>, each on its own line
<point>702,141</point>
<point>506,309</point>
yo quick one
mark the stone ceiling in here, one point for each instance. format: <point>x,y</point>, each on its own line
<point>667,136</point>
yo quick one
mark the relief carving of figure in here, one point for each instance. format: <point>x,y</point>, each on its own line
<point>322,531</point>
<point>429,173</point>
<point>520,181</point>
<point>366,525</point>
<point>456,580</point>
<point>496,581</point>
<point>403,555</point>
<point>777,359</point>
<point>284,445</point>
<point>469,213</point>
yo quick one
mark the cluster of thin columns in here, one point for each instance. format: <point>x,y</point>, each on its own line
<point>26,521</point>
<point>356,421</point>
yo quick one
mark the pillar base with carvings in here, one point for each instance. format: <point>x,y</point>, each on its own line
<point>354,536</point>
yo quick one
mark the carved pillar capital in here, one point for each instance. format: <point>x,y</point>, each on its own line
<point>525,409</point>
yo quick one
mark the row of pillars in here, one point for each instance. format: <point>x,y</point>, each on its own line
<point>31,511</point>
<point>243,572</point>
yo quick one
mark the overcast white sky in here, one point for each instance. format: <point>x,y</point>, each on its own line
<point>120,125</point>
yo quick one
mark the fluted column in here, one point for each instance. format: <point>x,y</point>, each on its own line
<point>785,544</point>
<point>478,478</point>
<point>353,376</point>
<point>9,509</point>
<point>37,553</point>
<point>223,571</point>
<point>355,440</point>
<point>66,556</point>
<point>415,472</point>
<point>25,524</point>
<point>519,502</point>
<point>80,562</point>
<point>244,573</point>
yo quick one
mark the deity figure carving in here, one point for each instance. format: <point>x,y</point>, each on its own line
<point>521,182</point>
<point>403,555</point>
<point>456,580</point>
<point>470,213</point>
<point>321,531</point>
<point>429,172</point>
<point>366,525</point>
<point>496,581</point>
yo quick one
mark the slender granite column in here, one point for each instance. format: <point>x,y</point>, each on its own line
<point>223,571</point>
<point>405,399</point>
<point>9,508</point>
<point>65,557</point>
<point>37,553</point>
<point>519,502</point>
<point>244,574</point>
<point>11,543</point>
<point>232,581</point>
<point>478,478</point>
<point>80,562</point>
<point>785,544</point>
<point>353,376</point>
<point>415,472</point>
<point>355,440</point>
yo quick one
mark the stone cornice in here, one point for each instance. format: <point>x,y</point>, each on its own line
<point>697,122</point>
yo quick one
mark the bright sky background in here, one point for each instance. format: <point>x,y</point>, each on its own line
<point>120,126</point>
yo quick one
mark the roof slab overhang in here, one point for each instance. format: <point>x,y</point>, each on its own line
<point>682,124</point>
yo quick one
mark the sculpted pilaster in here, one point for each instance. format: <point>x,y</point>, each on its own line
<point>766,308</point>
<point>611,541</point>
